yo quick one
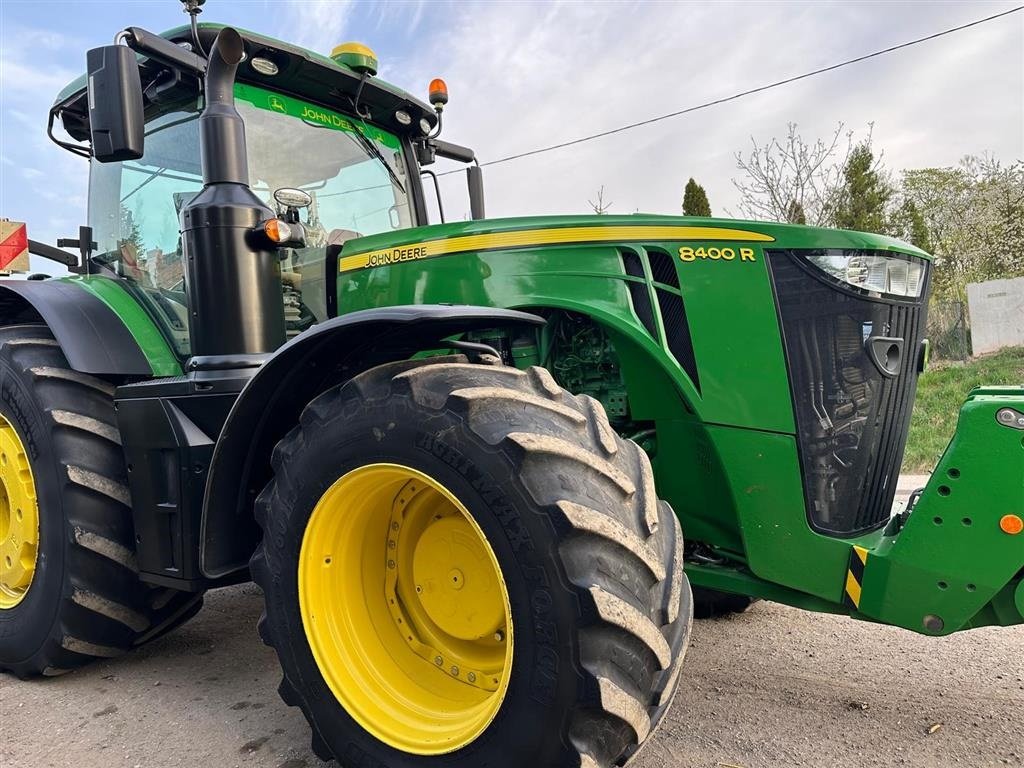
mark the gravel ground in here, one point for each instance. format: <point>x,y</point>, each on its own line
<point>773,687</point>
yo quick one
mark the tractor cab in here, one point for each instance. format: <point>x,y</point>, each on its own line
<point>325,126</point>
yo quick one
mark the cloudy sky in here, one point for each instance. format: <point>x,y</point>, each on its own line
<point>523,75</point>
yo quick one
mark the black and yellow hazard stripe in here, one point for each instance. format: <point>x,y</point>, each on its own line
<point>528,238</point>
<point>855,577</point>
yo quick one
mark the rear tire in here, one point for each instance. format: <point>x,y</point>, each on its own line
<point>591,560</point>
<point>85,599</point>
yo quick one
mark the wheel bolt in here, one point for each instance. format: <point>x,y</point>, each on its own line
<point>471,677</point>
<point>438,660</point>
<point>455,671</point>
<point>499,636</point>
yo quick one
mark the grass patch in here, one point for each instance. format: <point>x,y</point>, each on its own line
<point>941,391</point>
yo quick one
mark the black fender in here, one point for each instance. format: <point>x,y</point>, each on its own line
<point>270,404</point>
<point>91,335</point>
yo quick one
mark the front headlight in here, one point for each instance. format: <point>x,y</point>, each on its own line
<point>875,273</point>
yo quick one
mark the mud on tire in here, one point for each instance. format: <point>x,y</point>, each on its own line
<point>85,600</point>
<point>592,559</point>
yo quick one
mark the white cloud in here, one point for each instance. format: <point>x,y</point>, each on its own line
<point>317,24</point>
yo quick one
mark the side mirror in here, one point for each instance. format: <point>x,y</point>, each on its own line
<point>475,180</point>
<point>116,119</point>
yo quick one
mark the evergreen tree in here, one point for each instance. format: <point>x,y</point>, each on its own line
<point>908,224</point>
<point>795,213</point>
<point>695,200</point>
<point>865,193</point>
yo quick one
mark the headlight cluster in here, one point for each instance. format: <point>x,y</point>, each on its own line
<point>875,273</point>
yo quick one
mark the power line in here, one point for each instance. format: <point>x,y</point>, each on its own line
<point>741,94</point>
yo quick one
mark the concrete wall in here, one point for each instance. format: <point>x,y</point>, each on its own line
<point>997,314</point>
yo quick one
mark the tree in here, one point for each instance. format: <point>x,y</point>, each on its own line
<point>863,200</point>
<point>907,223</point>
<point>695,200</point>
<point>130,232</point>
<point>795,213</point>
<point>974,217</point>
<point>793,177</point>
<point>600,206</point>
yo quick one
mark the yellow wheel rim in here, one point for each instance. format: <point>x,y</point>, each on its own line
<point>19,518</point>
<point>405,609</point>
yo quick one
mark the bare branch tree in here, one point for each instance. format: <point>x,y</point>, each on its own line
<point>600,206</point>
<point>793,177</point>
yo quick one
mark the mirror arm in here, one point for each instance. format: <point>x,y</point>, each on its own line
<point>51,253</point>
<point>451,151</point>
<point>164,51</point>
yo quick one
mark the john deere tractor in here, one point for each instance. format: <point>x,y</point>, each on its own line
<point>439,448</point>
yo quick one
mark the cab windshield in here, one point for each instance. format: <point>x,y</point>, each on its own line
<point>354,172</point>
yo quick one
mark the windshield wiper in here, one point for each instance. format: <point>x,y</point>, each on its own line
<point>372,148</point>
<point>368,145</point>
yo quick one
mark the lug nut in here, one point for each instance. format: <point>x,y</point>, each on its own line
<point>499,636</point>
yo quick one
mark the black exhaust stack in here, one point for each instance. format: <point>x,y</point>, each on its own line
<point>233,284</point>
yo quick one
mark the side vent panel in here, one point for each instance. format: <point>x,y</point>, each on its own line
<point>677,332</point>
<point>663,267</point>
<point>639,292</point>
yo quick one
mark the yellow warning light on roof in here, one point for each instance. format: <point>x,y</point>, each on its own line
<point>357,57</point>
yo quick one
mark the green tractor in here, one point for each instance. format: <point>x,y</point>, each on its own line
<point>458,459</point>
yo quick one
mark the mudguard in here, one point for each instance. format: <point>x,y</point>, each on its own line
<point>271,402</point>
<point>91,335</point>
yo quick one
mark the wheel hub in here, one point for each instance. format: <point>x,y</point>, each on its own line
<point>444,590</point>
<point>455,582</point>
<point>19,518</point>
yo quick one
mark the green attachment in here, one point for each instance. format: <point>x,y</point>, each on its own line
<point>949,564</point>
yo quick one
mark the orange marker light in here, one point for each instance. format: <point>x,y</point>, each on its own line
<point>438,93</point>
<point>1011,524</point>
<point>277,230</point>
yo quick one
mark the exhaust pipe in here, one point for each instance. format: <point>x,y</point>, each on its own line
<point>236,305</point>
<point>222,132</point>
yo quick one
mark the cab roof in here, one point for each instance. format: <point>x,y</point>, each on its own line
<point>303,73</point>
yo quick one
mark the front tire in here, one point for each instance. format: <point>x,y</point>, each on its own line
<point>589,563</point>
<point>78,596</point>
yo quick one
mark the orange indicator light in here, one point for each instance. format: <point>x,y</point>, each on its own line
<point>1011,524</point>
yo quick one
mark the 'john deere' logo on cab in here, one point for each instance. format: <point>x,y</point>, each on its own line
<point>395,256</point>
<point>324,118</point>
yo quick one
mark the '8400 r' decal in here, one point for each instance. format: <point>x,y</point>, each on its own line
<point>686,253</point>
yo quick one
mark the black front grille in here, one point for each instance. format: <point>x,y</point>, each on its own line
<point>851,414</point>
